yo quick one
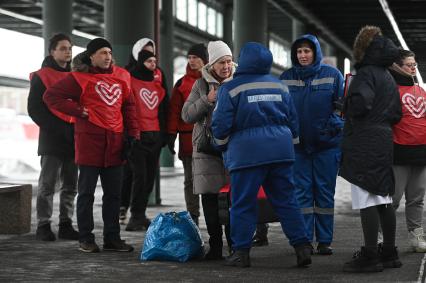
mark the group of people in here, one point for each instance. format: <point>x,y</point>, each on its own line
<point>286,135</point>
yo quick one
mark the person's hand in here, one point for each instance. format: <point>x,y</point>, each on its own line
<point>171,143</point>
<point>211,97</point>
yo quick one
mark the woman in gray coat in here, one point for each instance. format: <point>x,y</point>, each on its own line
<point>209,174</point>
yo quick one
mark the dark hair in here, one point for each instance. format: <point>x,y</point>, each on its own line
<point>53,41</point>
<point>404,54</point>
<point>299,43</point>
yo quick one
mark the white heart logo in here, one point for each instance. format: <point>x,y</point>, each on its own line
<point>416,107</point>
<point>149,98</point>
<point>109,94</point>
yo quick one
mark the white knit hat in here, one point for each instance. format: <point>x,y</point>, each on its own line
<point>137,47</point>
<point>217,49</point>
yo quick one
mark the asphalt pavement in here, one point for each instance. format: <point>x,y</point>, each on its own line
<point>24,259</point>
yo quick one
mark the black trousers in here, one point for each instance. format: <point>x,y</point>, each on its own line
<point>111,179</point>
<point>126,189</point>
<point>211,216</point>
<point>144,163</point>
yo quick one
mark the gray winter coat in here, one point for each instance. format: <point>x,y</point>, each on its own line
<point>209,174</point>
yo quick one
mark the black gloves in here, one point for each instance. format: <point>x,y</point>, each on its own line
<point>171,143</point>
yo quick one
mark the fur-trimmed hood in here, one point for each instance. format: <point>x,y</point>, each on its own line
<point>80,63</point>
<point>372,48</point>
<point>363,40</point>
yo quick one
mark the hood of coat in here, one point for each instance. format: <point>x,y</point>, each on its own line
<point>209,78</point>
<point>254,59</point>
<point>51,63</point>
<point>401,77</point>
<point>306,71</point>
<point>372,48</point>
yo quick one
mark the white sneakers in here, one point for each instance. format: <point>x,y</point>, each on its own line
<point>416,240</point>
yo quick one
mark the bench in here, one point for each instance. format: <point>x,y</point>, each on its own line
<point>15,208</point>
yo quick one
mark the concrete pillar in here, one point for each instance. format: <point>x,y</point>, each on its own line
<point>250,19</point>
<point>227,23</point>
<point>126,21</point>
<point>57,18</point>
<point>166,64</point>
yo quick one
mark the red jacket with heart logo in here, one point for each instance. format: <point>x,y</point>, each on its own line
<point>148,97</point>
<point>175,124</point>
<point>411,129</point>
<point>98,138</point>
<point>50,76</point>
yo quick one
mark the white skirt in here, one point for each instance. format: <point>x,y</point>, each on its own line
<point>362,198</point>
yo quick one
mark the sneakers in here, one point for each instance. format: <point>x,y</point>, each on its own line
<point>123,215</point>
<point>89,247</point>
<point>367,260</point>
<point>44,233</point>
<point>324,249</point>
<point>117,246</point>
<point>416,240</point>
<point>239,258</point>
<point>303,253</point>
<point>389,257</point>
<point>138,224</point>
<point>67,232</point>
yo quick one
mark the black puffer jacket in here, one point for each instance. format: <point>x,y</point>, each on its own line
<point>56,136</point>
<point>371,108</point>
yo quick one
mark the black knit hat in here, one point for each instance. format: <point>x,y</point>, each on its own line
<point>96,44</point>
<point>200,51</point>
<point>144,55</point>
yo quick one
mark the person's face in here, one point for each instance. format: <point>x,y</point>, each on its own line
<point>409,65</point>
<point>195,63</point>
<point>149,48</point>
<point>63,52</point>
<point>150,63</point>
<point>223,67</point>
<point>102,58</point>
<point>305,55</point>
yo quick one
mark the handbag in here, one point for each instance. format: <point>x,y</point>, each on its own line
<point>204,143</point>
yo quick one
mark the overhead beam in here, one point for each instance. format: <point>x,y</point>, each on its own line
<point>310,18</point>
<point>391,18</point>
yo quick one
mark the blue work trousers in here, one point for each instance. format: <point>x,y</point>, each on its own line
<point>277,181</point>
<point>315,179</point>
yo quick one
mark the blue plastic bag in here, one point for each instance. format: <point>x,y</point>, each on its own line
<point>172,236</point>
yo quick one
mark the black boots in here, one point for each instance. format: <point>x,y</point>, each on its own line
<point>303,253</point>
<point>44,233</point>
<point>67,232</point>
<point>324,249</point>
<point>239,258</point>
<point>389,257</point>
<point>367,260</point>
<point>214,253</point>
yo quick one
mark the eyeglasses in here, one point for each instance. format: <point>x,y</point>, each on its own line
<point>414,65</point>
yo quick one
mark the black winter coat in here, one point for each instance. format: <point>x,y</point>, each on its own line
<point>371,107</point>
<point>56,136</point>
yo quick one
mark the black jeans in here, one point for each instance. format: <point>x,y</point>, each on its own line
<point>144,163</point>
<point>111,180</point>
<point>126,188</point>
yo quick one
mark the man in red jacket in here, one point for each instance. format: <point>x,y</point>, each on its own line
<point>197,57</point>
<point>55,144</point>
<point>99,96</point>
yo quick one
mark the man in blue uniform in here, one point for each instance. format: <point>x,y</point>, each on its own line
<point>255,123</point>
